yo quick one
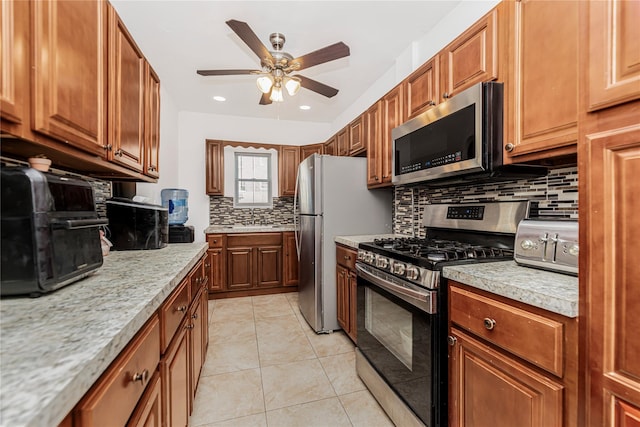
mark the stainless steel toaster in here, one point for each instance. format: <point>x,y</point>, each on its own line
<point>548,244</point>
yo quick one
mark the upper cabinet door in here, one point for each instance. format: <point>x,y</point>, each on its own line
<point>421,88</point>
<point>14,59</point>
<point>471,58</point>
<point>541,92</point>
<point>214,158</point>
<point>613,64</point>
<point>152,124</point>
<point>126,96</point>
<point>69,72</point>
<point>288,169</point>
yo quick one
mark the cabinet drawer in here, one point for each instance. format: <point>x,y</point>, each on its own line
<point>172,312</point>
<point>254,239</point>
<point>114,397</point>
<point>215,240</point>
<point>530,336</point>
<point>346,257</point>
<point>196,278</point>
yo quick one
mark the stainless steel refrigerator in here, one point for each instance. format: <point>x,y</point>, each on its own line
<point>332,199</point>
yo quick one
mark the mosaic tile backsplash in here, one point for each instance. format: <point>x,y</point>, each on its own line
<point>556,194</point>
<point>222,212</point>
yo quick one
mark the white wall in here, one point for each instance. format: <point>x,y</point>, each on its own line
<point>183,134</point>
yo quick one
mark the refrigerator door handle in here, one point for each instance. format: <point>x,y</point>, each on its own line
<point>295,215</point>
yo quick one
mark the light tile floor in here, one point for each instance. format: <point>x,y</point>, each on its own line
<point>266,367</point>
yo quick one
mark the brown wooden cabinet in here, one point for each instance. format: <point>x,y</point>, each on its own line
<point>152,124</point>
<point>608,164</point>
<point>342,141</point>
<point>330,147</point>
<point>175,380</point>
<point>471,58</point>
<point>149,410</point>
<point>14,64</point>
<point>307,150</point>
<point>373,129</point>
<point>113,398</point>
<point>422,88</point>
<point>541,83</point>
<point>197,327</point>
<point>505,351</point>
<point>392,116</point>
<point>246,264</point>
<point>127,84</point>
<point>69,72</point>
<point>290,259</point>
<point>357,142</point>
<point>346,286</point>
<point>214,159</point>
<point>288,169</point>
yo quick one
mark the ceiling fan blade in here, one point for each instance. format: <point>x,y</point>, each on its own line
<point>264,99</point>
<point>226,72</point>
<point>320,56</point>
<point>316,86</point>
<point>247,35</point>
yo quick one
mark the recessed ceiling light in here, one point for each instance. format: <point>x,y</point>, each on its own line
<point>305,107</point>
<point>219,98</point>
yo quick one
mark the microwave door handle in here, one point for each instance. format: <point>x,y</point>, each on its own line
<point>74,224</point>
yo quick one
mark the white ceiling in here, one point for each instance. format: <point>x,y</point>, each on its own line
<point>179,37</point>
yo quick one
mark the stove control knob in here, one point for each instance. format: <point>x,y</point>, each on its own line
<point>527,244</point>
<point>360,256</point>
<point>382,262</point>
<point>398,268</point>
<point>413,273</point>
<point>368,258</point>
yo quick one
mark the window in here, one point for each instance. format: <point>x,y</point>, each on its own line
<point>253,180</point>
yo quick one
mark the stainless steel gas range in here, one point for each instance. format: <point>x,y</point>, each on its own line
<point>402,304</point>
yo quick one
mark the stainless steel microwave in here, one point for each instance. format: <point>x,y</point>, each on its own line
<point>459,140</point>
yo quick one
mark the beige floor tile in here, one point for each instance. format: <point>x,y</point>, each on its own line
<point>227,396</point>
<point>321,413</point>
<point>281,348</point>
<point>295,383</point>
<point>235,330</point>
<point>341,370</point>
<point>277,326</point>
<point>271,306</point>
<point>230,356</point>
<point>258,420</point>
<point>330,344</point>
<point>363,410</point>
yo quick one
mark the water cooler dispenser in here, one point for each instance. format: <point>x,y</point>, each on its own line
<point>176,202</point>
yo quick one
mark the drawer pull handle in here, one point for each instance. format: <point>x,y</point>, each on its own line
<point>489,323</point>
<point>142,377</point>
<point>182,308</point>
<point>452,340</point>
<point>195,316</point>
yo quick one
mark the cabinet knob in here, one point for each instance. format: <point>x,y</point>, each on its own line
<point>118,153</point>
<point>431,103</point>
<point>347,257</point>
<point>182,308</point>
<point>452,340</point>
<point>489,323</point>
<point>194,316</point>
<point>189,326</point>
<point>140,376</point>
<point>509,147</point>
<point>207,264</point>
<point>446,95</point>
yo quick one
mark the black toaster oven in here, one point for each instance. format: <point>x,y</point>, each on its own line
<point>50,231</point>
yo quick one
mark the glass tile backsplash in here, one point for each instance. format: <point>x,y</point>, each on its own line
<point>222,212</point>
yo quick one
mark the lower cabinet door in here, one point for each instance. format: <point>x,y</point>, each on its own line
<point>490,389</point>
<point>175,377</point>
<point>342,287</point>
<point>149,410</point>
<point>195,330</point>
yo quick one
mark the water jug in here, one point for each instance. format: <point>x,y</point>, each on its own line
<point>175,200</point>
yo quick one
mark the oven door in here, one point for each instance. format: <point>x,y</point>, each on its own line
<point>403,341</point>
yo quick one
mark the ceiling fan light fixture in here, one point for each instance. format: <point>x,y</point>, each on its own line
<point>276,94</point>
<point>292,84</point>
<point>264,83</point>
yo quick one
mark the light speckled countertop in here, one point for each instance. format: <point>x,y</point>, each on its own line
<point>554,292</point>
<point>228,229</point>
<point>56,346</point>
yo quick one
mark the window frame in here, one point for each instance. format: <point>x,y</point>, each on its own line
<point>238,180</point>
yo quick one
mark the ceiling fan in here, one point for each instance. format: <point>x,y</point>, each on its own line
<point>278,64</point>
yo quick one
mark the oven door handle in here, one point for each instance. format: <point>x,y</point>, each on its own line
<point>425,300</point>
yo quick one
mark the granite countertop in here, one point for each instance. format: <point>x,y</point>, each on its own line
<point>55,347</point>
<point>228,229</point>
<point>353,241</point>
<point>554,292</point>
